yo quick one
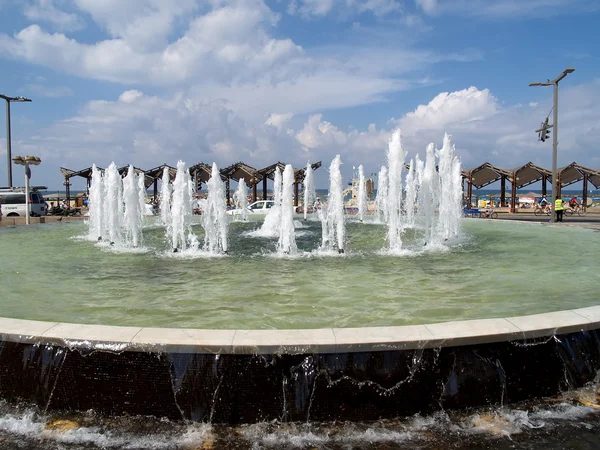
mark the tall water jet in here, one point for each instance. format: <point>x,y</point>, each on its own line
<point>214,217</point>
<point>272,222</point>
<point>362,193</point>
<point>428,194</point>
<point>113,204</point>
<point>241,198</point>
<point>165,198</point>
<point>381,201</point>
<point>334,228</point>
<point>96,206</point>
<point>142,195</point>
<point>132,219</point>
<point>287,240</point>
<point>411,195</point>
<point>395,158</point>
<point>180,233</point>
<point>450,191</point>
<point>309,192</point>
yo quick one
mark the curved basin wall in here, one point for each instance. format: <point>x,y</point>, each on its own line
<point>243,376</point>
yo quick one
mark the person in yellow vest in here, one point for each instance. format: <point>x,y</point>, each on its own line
<point>559,207</point>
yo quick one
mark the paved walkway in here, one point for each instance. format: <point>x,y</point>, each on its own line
<point>591,220</point>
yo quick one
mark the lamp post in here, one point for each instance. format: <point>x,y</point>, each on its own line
<point>554,83</point>
<point>8,149</point>
<point>26,161</point>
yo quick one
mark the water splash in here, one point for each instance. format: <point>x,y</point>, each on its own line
<point>396,155</point>
<point>333,225</point>
<point>179,233</point>
<point>272,223</point>
<point>287,241</point>
<point>450,192</point>
<point>381,202</point>
<point>240,198</point>
<point>362,193</point>
<point>165,198</point>
<point>132,218</point>
<point>96,206</point>
<point>214,217</point>
<point>113,204</point>
<point>412,188</point>
<point>309,192</point>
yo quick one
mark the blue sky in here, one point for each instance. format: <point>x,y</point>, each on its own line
<point>153,81</point>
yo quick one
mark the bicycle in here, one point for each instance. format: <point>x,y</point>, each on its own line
<point>580,210</point>
<point>539,210</point>
<point>488,214</point>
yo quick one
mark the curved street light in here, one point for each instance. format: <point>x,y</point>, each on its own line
<point>27,161</point>
<point>10,100</point>
<point>555,184</point>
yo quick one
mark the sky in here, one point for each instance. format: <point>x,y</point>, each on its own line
<point>147,82</point>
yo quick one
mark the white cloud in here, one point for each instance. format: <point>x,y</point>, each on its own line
<point>46,11</point>
<point>279,120</point>
<point>148,131</point>
<point>130,96</point>
<point>447,109</point>
<point>225,44</point>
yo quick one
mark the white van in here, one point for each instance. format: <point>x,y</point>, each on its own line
<point>13,202</point>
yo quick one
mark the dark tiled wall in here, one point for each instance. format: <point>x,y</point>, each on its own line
<point>319,387</point>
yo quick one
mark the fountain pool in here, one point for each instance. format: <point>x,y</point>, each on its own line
<point>496,269</point>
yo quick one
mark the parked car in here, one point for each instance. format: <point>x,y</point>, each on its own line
<point>260,207</point>
<point>13,202</point>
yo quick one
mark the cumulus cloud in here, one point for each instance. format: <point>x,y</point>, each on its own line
<point>148,130</point>
<point>278,121</point>
<point>449,108</point>
<point>46,11</point>
<point>226,43</point>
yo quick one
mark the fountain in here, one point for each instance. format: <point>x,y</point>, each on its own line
<point>214,217</point>
<point>395,159</point>
<point>333,225</point>
<point>309,192</point>
<point>165,198</point>
<point>381,202</point>
<point>113,204</point>
<point>96,205</point>
<point>241,198</point>
<point>272,224</point>
<point>287,241</point>
<point>362,193</point>
<point>179,231</point>
<point>313,338</point>
<point>134,214</point>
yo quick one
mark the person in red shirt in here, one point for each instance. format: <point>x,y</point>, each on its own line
<point>573,203</point>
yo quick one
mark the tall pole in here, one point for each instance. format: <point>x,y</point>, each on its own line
<point>8,147</point>
<point>544,130</point>
<point>555,189</point>
<point>27,213</point>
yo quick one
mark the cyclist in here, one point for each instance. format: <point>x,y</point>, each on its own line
<point>573,203</point>
<point>543,201</point>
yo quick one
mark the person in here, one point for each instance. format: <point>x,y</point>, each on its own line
<point>0,211</point>
<point>543,201</point>
<point>317,204</point>
<point>559,207</point>
<point>573,203</point>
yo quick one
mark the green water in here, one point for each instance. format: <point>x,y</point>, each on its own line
<point>497,269</point>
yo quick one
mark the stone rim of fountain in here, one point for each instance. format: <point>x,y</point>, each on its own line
<point>299,341</point>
